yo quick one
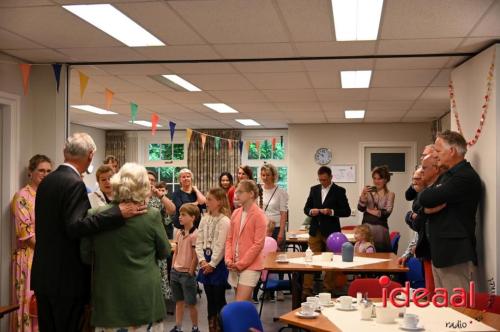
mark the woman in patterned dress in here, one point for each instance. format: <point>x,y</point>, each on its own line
<point>23,210</point>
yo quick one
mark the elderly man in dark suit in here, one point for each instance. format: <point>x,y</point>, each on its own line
<point>325,204</point>
<point>59,278</point>
<point>451,204</point>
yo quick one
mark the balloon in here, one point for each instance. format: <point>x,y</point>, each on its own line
<point>334,242</point>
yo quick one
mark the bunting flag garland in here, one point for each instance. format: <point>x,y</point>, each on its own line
<point>484,107</point>
<point>133,111</point>
<point>172,125</point>
<point>274,143</point>
<point>57,73</point>
<point>217,144</point>
<point>203,140</point>
<point>108,95</point>
<point>240,145</point>
<point>25,71</point>
<point>84,80</point>
<point>189,132</point>
<point>154,123</point>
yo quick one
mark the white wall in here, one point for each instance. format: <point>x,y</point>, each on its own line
<point>99,136</point>
<point>470,88</point>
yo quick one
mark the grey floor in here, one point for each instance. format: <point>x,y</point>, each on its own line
<point>270,310</point>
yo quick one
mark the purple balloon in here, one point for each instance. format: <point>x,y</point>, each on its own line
<point>335,241</point>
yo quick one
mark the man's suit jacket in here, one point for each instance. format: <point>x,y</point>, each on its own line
<point>452,230</point>
<point>60,213</point>
<point>336,200</point>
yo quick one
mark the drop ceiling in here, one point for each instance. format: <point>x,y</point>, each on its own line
<point>274,93</point>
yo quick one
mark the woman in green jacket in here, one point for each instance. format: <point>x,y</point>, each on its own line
<point>126,285</point>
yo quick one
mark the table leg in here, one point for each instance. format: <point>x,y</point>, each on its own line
<point>296,290</point>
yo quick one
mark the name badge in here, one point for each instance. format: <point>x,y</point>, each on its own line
<point>208,252</point>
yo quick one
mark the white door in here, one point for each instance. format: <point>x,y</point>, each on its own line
<point>401,159</point>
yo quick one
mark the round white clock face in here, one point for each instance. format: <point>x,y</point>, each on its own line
<point>323,156</point>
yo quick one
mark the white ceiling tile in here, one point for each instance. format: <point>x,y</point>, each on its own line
<point>147,98</point>
<point>435,93</point>
<point>389,105</point>
<point>121,53</point>
<point>39,55</point>
<point>146,83</point>
<point>342,94</point>
<point>178,52</point>
<point>278,81</point>
<point>411,63</point>
<point>325,80</point>
<point>116,84</point>
<point>407,19</point>
<point>219,81</point>
<point>442,79</point>
<point>335,66</point>
<point>173,110</point>
<point>489,25</point>
<point>200,68</point>
<point>336,48</point>
<point>9,40</point>
<point>431,105</point>
<point>254,107</point>
<point>476,44</point>
<point>188,97</point>
<point>24,3</point>
<point>268,116</point>
<point>295,107</point>
<point>395,93</point>
<point>134,69</point>
<point>269,67</point>
<point>239,96</point>
<point>402,78</point>
<point>341,106</point>
<point>384,114</point>
<point>255,51</point>
<point>418,46</point>
<point>425,113</point>
<point>290,95</point>
<point>299,14</point>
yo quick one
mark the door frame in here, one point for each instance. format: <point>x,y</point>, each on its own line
<point>10,184</point>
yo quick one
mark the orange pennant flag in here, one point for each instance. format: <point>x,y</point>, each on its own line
<point>247,145</point>
<point>257,145</point>
<point>189,132</point>
<point>274,143</point>
<point>203,140</point>
<point>108,94</point>
<point>230,144</point>
<point>154,123</point>
<point>25,71</point>
<point>84,80</point>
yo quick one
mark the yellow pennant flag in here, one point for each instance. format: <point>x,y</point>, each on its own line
<point>189,132</point>
<point>84,80</point>
<point>108,94</point>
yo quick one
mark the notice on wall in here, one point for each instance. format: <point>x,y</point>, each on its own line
<point>344,173</point>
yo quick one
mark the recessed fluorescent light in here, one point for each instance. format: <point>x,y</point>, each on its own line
<point>221,108</point>
<point>356,19</point>
<point>248,122</point>
<point>354,114</point>
<point>116,24</point>
<point>145,123</point>
<point>182,82</point>
<point>355,79</point>
<point>92,109</point>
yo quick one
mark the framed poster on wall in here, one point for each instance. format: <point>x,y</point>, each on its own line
<point>344,173</point>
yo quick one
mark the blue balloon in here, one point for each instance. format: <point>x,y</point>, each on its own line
<point>335,241</point>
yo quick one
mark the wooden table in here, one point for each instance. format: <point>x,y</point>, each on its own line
<point>386,267</point>
<point>323,324</point>
<point>7,309</point>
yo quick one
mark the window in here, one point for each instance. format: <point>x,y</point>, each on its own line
<point>266,151</point>
<point>164,152</point>
<point>395,161</point>
<point>169,175</point>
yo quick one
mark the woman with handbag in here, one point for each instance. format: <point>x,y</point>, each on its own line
<point>376,202</point>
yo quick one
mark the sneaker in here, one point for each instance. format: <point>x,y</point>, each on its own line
<point>195,329</point>
<point>280,296</point>
<point>255,300</point>
<point>175,329</point>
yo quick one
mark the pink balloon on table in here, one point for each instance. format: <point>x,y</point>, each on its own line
<point>335,241</point>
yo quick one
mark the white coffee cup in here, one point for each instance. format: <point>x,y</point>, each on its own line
<point>292,235</point>
<point>345,302</point>
<point>385,315</point>
<point>307,308</point>
<point>282,257</point>
<point>410,321</point>
<point>366,312</point>
<point>325,298</point>
<point>326,256</point>
<point>314,300</point>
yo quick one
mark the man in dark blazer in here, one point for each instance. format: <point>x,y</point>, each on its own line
<point>60,280</point>
<point>325,204</point>
<point>451,205</point>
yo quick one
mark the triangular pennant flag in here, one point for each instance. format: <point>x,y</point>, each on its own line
<point>257,146</point>
<point>240,143</point>
<point>230,144</point>
<point>25,71</point>
<point>84,80</point>
<point>189,132</point>
<point>281,141</point>
<point>108,95</point>
<point>133,111</point>
<point>203,140</point>
<point>57,73</point>
<point>172,130</point>
<point>154,122</point>
<point>247,145</point>
<point>217,144</point>
<point>274,143</point>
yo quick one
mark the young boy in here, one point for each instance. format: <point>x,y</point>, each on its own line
<point>182,276</point>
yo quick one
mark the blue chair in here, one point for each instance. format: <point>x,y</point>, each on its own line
<point>273,285</point>
<point>415,275</point>
<point>240,316</point>
<point>395,242</point>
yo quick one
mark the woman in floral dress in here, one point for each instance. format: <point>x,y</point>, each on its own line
<point>23,209</point>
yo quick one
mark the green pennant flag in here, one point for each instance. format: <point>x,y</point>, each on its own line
<point>217,143</point>
<point>133,111</point>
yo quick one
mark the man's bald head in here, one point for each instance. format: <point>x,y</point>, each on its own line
<point>430,169</point>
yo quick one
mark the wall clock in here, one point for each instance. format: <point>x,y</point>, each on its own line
<point>323,156</point>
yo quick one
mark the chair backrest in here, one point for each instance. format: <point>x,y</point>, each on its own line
<point>487,302</point>
<point>370,286</point>
<point>240,316</point>
<point>395,242</point>
<point>393,234</point>
<point>415,275</point>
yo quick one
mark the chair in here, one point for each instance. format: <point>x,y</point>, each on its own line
<point>273,285</point>
<point>395,236</point>
<point>240,316</point>
<point>370,286</point>
<point>416,273</point>
<point>487,302</point>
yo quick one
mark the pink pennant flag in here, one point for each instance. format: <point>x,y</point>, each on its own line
<point>230,144</point>
<point>154,123</point>
<point>25,71</point>
<point>257,145</point>
<point>203,140</point>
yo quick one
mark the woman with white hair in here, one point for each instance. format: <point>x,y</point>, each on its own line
<point>187,193</point>
<point>126,290</point>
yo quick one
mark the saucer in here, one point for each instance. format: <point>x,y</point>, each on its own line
<point>353,300</point>
<point>352,308</point>
<point>281,261</point>
<point>402,298</point>
<point>301,315</point>
<point>407,328</point>
<point>327,305</point>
